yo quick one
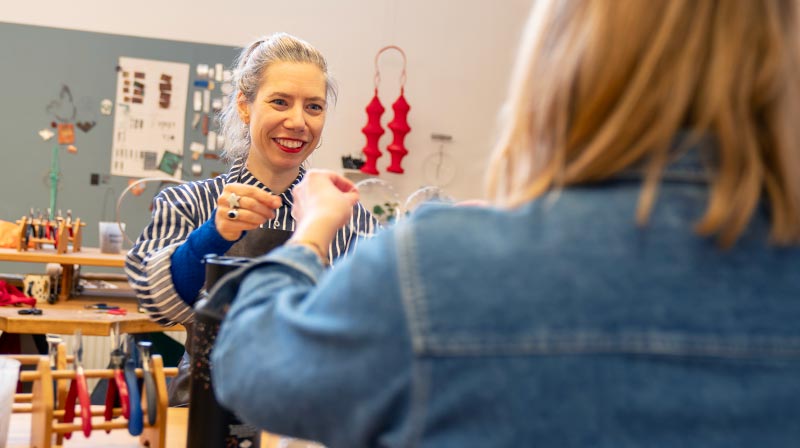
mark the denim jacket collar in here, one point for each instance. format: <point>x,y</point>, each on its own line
<point>692,161</point>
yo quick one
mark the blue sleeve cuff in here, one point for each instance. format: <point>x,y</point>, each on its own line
<point>187,269</point>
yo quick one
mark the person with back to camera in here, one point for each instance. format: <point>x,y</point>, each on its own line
<point>272,124</point>
<point>634,283</point>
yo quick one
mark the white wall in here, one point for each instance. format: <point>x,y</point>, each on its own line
<point>459,60</point>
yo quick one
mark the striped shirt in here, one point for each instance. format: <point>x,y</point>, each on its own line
<point>180,210</point>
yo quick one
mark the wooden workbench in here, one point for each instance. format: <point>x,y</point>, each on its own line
<point>88,256</point>
<point>69,313</point>
<point>66,317</point>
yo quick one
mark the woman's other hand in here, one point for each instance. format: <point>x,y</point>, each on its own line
<point>323,203</point>
<point>243,207</point>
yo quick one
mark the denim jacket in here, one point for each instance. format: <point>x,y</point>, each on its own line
<point>560,323</point>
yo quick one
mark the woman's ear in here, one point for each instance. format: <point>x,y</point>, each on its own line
<point>243,107</point>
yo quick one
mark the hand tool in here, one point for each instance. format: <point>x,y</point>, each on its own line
<point>117,388</point>
<point>149,381</point>
<point>41,224</point>
<point>52,348</point>
<point>115,311</point>
<point>135,423</point>
<point>29,229</point>
<point>78,389</point>
<point>101,306</point>
<point>31,311</point>
<point>47,230</point>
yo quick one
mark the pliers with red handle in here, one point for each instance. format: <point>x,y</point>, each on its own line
<point>117,387</point>
<point>114,311</point>
<point>79,391</point>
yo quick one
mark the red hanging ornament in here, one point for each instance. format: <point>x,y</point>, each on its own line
<point>373,131</point>
<point>399,127</point>
<point>399,124</point>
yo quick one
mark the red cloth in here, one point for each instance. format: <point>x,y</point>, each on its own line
<point>10,295</point>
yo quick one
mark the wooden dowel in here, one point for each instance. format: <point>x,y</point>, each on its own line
<point>25,408</point>
<point>61,428</point>
<point>89,373</point>
<point>34,359</point>
<point>41,240</point>
<point>23,398</point>
<point>27,359</point>
<point>29,376</point>
<point>58,413</point>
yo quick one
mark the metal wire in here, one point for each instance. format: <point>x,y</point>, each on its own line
<point>378,71</point>
<point>132,186</point>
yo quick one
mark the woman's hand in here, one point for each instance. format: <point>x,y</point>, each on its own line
<point>323,203</point>
<point>243,207</point>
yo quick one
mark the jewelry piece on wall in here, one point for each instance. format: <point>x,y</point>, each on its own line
<point>87,108</point>
<point>64,113</point>
<point>373,131</point>
<point>398,125</point>
<point>46,134</point>
<point>106,106</point>
<point>439,168</point>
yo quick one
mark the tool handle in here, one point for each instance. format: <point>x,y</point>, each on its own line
<point>122,388</point>
<point>86,404</point>
<point>150,387</point>
<point>111,392</point>
<point>69,406</point>
<point>135,422</point>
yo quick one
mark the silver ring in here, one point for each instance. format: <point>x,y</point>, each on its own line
<point>233,201</point>
<point>233,214</point>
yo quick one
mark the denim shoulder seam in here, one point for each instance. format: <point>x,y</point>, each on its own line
<point>412,291</point>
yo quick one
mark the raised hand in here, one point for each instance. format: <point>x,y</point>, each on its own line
<point>323,203</point>
<point>243,207</point>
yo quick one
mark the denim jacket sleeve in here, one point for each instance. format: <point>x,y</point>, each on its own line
<point>305,354</point>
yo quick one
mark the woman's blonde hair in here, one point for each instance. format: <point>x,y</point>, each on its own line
<point>602,85</point>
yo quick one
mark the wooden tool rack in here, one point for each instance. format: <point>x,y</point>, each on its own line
<point>46,405</point>
<point>62,233</point>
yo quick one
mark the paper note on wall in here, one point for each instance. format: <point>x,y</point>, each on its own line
<point>149,118</point>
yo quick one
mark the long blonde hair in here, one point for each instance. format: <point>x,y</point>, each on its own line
<point>602,85</point>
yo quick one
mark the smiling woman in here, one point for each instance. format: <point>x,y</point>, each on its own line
<point>285,121</point>
<point>273,122</point>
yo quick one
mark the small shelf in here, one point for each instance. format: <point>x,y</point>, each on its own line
<point>88,256</point>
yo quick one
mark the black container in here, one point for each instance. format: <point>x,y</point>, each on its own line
<point>210,424</point>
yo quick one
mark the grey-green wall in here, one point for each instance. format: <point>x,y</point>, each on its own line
<point>34,63</point>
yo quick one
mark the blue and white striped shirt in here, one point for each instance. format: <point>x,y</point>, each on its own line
<point>180,210</point>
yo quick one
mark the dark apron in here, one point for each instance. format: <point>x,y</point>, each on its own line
<point>255,243</point>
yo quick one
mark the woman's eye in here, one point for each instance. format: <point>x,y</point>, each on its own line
<point>316,107</point>
<point>279,102</point>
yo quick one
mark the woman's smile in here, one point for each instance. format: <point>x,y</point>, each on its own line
<point>290,145</point>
